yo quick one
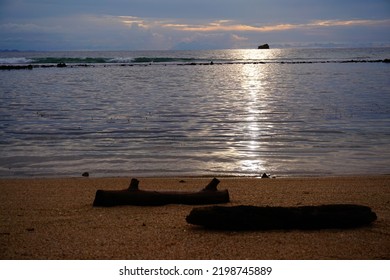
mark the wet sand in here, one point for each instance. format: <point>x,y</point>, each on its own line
<point>54,219</point>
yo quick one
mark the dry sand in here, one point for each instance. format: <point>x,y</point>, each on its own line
<point>54,219</point>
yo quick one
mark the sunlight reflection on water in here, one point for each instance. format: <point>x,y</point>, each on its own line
<point>231,119</point>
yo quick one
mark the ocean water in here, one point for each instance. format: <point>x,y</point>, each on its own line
<point>285,112</point>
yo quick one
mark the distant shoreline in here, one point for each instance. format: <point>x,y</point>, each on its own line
<point>30,66</point>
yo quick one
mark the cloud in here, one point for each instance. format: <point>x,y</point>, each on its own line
<point>130,32</point>
<point>193,34</point>
<point>207,41</point>
<point>230,25</point>
<point>165,24</point>
<point>27,27</point>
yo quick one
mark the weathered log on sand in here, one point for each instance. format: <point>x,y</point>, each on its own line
<point>269,218</point>
<point>133,196</point>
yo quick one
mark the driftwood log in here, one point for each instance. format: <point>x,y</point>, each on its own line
<point>134,196</point>
<point>272,218</point>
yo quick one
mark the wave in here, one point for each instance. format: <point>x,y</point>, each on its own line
<point>55,60</point>
<point>145,59</point>
<point>15,60</point>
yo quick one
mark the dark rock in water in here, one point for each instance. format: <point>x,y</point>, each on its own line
<point>271,218</point>
<point>16,67</point>
<point>61,65</point>
<point>85,174</point>
<point>265,176</point>
<point>387,60</point>
<point>263,47</point>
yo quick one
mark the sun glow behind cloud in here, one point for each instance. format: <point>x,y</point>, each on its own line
<point>167,24</point>
<point>234,26</point>
<point>132,32</point>
<point>236,34</point>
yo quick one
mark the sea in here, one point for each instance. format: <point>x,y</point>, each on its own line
<point>283,112</point>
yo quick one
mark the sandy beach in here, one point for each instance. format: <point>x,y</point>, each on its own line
<point>54,219</point>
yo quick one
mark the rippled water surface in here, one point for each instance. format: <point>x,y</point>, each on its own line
<point>245,115</point>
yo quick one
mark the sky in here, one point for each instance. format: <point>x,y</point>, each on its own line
<point>191,24</point>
